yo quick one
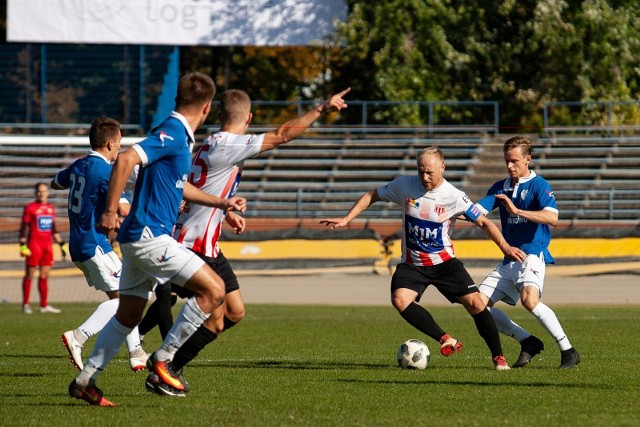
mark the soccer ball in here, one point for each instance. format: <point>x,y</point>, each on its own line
<point>413,354</point>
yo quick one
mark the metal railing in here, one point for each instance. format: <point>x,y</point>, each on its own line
<point>600,116</point>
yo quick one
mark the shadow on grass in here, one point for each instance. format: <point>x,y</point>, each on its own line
<point>288,364</point>
<point>538,384</point>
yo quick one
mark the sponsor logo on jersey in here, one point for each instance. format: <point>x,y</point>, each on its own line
<point>515,219</point>
<point>45,223</point>
<point>180,182</point>
<point>413,203</point>
<point>422,232</point>
<point>116,274</point>
<point>163,135</point>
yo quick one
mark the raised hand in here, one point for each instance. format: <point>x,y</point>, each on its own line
<point>335,103</point>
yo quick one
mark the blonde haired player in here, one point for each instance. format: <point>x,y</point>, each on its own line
<point>216,169</point>
<point>429,205</point>
<point>527,209</point>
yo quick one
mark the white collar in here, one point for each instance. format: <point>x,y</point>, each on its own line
<point>507,182</point>
<point>96,154</point>
<point>184,121</point>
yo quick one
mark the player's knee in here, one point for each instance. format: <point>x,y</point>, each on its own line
<point>400,302</point>
<point>473,303</point>
<point>529,300</point>
<point>215,325</point>
<point>529,303</point>
<point>214,291</point>
<point>235,315</point>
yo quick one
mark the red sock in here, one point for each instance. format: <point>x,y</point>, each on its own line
<point>26,290</point>
<point>43,287</point>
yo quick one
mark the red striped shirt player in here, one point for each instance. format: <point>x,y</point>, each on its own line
<point>430,205</point>
<point>216,170</point>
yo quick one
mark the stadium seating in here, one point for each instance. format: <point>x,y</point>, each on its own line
<point>322,175</point>
<point>594,177</point>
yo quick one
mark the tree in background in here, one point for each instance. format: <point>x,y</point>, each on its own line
<point>519,53</point>
<point>266,73</point>
<point>397,50</point>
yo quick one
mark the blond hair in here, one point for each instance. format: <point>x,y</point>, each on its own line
<point>524,144</point>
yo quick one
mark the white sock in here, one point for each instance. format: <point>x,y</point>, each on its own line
<point>107,346</point>
<point>99,318</point>
<point>133,343</point>
<point>189,320</point>
<point>507,326</point>
<point>547,318</point>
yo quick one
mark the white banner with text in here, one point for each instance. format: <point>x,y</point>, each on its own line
<point>174,22</point>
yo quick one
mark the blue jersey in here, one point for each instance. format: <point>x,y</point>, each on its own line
<point>87,180</point>
<point>532,193</point>
<point>166,162</point>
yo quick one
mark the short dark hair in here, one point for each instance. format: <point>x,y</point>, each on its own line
<point>524,144</point>
<point>234,106</point>
<point>102,130</point>
<point>194,89</point>
<point>38,184</point>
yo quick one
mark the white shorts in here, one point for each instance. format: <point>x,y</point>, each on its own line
<point>506,281</point>
<point>152,260</point>
<point>102,271</point>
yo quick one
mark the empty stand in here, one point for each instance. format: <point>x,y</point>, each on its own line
<point>322,175</point>
<point>593,177</point>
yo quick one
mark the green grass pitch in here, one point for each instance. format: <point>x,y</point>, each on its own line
<point>335,366</point>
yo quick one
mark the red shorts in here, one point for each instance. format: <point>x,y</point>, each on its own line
<point>41,254</point>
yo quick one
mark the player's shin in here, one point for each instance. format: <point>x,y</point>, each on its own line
<point>188,321</point>
<point>192,347</point>
<point>418,317</point>
<point>488,331</point>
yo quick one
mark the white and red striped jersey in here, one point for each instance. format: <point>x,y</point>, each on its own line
<point>427,218</point>
<point>216,170</point>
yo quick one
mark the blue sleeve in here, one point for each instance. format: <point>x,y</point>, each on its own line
<point>545,196</point>
<point>472,213</point>
<point>62,178</point>
<point>489,202</point>
<point>164,142</point>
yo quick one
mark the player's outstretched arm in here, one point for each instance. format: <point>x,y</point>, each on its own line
<point>363,203</point>
<point>296,127</point>
<point>492,232</point>
<point>192,194</point>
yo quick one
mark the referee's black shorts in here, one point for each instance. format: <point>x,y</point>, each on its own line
<point>450,278</point>
<point>222,267</point>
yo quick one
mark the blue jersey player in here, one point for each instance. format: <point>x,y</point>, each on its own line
<point>150,255</point>
<point>87,180</point>
<point>430,205</point>
<point>527,211</point>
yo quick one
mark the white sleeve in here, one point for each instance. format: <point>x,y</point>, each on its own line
<point>393,191</point>
<point>241,147</point>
